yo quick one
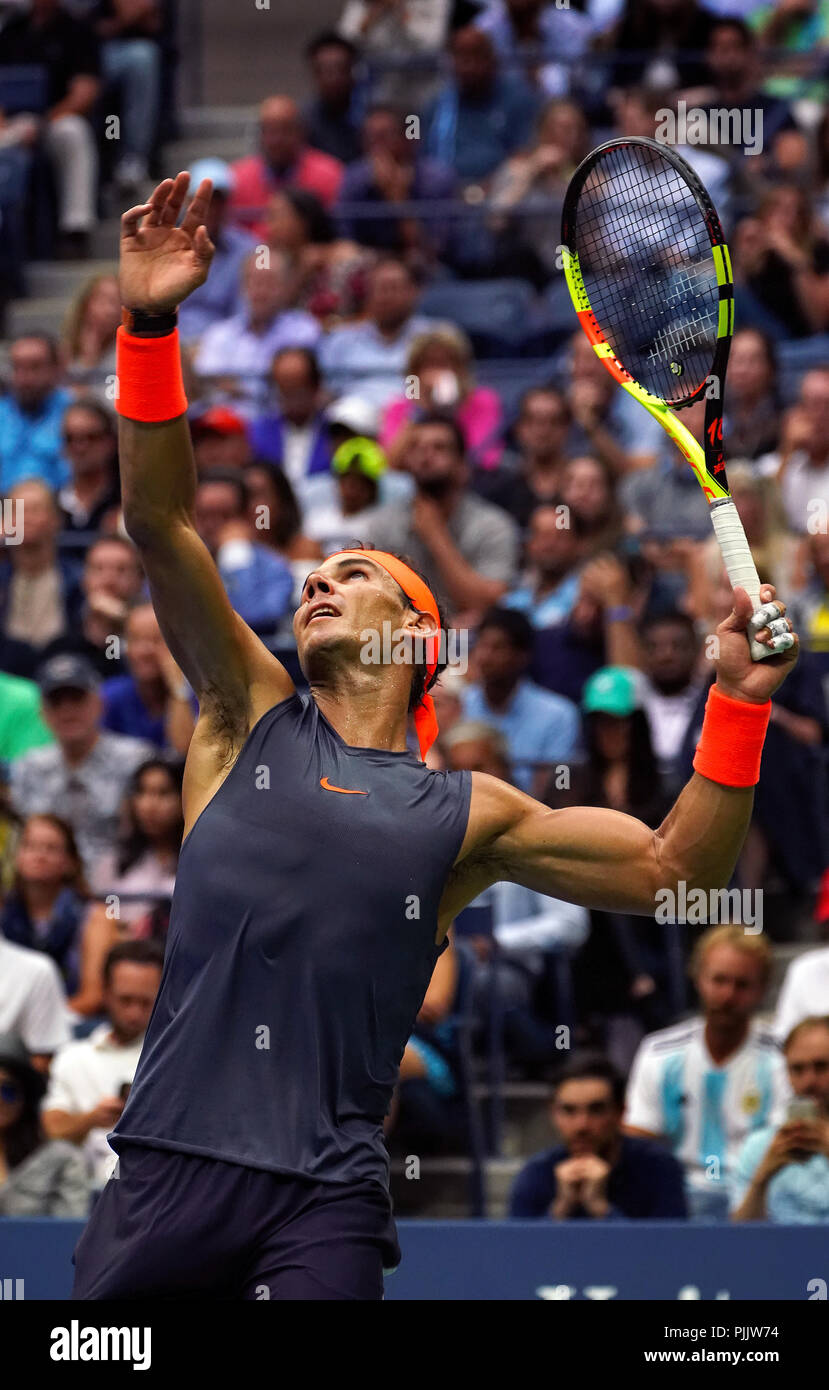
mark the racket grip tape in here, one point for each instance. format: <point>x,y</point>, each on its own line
<point>739,562</point>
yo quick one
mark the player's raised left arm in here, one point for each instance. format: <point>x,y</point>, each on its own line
<point>605,859</point>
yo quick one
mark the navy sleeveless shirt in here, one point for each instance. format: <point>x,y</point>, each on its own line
<point>300,946</point>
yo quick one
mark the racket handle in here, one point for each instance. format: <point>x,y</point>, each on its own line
<point>739,562</point>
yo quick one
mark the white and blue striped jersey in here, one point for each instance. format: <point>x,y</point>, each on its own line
<point>705,1111</point>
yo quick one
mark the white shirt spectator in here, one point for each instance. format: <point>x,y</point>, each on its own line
<point>83,1074</point>
<point>233,348</point>
<point>804,992</point>
<point>32,999</point>
<point>705,1110</point>
<point>804,489</point>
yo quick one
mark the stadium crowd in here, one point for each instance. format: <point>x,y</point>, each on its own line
<point>385,352</point>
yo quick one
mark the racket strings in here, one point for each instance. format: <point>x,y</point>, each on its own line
<point>646,261</point>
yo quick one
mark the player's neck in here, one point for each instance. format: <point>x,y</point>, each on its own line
<point>361,719</point>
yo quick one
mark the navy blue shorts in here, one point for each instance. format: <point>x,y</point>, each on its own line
<point>176,1226</point>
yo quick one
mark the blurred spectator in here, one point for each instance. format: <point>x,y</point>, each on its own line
<point>751,416</point>
<point>21,722</point>
<point>705,1084</point>
<point>32,412</point>
<point>596,1173</point>
<point>603,423</point>
<point>295,436</point>
<point>90,500</point>
<point>782,1175</point>
<point>521,928</point>
<point>153,702</point>
<point>541,729</point>
<point>88,341</point>
<point>336,518</point>
<point>258,581</point>
<point>131,66</point>
<point>530,187</point>
<point>804,992</point>
<point>220,297</point>
<point>39,589</point>
<point>781,257</point>
<point>220,438</point>
<point>47,905</point>
<point>32,1002</point>
<point>393,170</point>
<point>274,512</point>
<point>332,115</point>
<point>732,82</point>
<point>38,1177</point>
<point>112,582</point>
<point>394,27</point>
<point>285,159</point>
<point>812,608</point>
<point>531,472</point>
<point>66,48</point>
<point>660,43</point>
<point>804,455</point>
<point>243,346</point>
<point>481,116</point>
<point>145,858</point>
<point>90,1078</point>
<point>548,39</point>
<point>671,690</point>
<point>440,366</point>
<point>588,491</point>
<point>466,548</point>
<point>83,775</point>
<point>329,273</point>
<point>370,357</point>
<point>665,503</point>
<point>422,1109</point>
<point>802,28</point>
<point>553,551</point>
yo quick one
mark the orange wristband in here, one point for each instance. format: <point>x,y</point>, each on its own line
<point>731,744</point>
<point>148,371</point>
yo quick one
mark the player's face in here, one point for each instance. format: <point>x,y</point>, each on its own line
<point>345,602</point>
<point>586,1116</point>
<point>730,985</point>
<point>807,1058</point>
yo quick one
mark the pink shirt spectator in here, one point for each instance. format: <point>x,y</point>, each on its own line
<point>479,417</point>
<point>254,182</point>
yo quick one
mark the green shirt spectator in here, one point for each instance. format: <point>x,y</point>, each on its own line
<point>21,723</point>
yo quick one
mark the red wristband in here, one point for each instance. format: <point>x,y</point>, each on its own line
<point>731,744</point>
<point>148,371</point>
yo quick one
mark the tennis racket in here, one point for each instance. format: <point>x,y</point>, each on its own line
<point>650,278</point>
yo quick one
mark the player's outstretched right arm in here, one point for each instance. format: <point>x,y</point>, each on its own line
<point>232,673</point>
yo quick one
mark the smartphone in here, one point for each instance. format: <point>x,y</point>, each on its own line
<point>802,1108</point>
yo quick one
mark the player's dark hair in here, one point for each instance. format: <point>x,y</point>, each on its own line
<point>592,1066</point>
<point>515,626</point>
<point>447,422</point>
<point>422,682</point>
<point>136,953</point>
<point>329,38</point>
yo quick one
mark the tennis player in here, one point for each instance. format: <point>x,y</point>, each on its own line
<point>321,868</point>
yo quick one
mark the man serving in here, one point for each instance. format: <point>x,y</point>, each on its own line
<point>321,868</point>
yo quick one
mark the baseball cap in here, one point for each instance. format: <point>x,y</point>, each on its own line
<point>219,173</point>
<point>67,671</point>
<point>612,690</point>
<point>364,454</point>
<point>355,414</point>
<point>217,419</point>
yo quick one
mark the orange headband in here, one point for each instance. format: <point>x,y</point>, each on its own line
<point>418,593</point>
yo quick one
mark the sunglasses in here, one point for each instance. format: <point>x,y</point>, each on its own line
<point>9,1092</point>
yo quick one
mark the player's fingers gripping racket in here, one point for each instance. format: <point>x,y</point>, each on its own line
<point>650,277</point>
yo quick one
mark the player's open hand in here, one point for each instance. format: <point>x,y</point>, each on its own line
<point>162,263</point>
<point>737,674</point>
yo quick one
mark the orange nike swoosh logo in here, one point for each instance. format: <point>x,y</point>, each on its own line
<point>346,791</point>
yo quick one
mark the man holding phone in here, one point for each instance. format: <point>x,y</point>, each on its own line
<point>782,1175</point>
